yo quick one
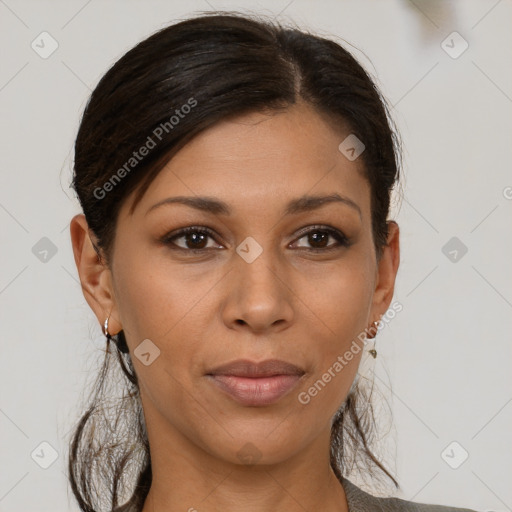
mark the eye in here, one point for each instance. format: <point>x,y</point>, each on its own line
<point>194,238</point>
<point>318,236</point>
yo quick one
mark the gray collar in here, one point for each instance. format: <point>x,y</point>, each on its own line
<point>359,500</point>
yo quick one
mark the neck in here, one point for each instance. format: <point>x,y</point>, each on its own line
<point>186,477</point>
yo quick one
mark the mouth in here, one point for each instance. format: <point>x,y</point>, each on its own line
<point>256,384</point>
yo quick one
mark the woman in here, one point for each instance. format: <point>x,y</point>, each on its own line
<point>235,178</point>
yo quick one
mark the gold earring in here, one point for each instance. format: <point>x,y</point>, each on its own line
<point>120,343</point>
<point>372,351</point>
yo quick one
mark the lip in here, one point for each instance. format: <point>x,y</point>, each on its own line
<point>256,384</point>
<point>247,368</point>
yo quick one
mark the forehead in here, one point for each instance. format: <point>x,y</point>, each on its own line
<point>260,161</point>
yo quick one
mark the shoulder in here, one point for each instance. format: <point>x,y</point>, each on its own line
<point>360,501</point>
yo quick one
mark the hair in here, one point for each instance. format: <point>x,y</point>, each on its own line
<point>160,94</point>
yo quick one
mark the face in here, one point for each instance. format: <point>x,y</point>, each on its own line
<point>255,280</point>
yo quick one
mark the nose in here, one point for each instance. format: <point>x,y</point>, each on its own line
<point>259,296</point>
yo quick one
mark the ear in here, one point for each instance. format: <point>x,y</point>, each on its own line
<point>386,272</point>
<point>95,276</point>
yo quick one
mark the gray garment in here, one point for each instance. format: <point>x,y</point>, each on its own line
<point>360,501</point>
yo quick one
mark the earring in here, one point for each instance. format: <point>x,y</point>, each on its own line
<point>104,328</point>
<point>372,351</point>
<point>120,343</point>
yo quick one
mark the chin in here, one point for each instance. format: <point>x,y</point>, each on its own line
<point>256,449</point>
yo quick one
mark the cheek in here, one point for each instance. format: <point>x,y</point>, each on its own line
<point>161,302</point>
<point>337,306</point>
<point>157,303</point>
<point>340,297</point>
<point>152,294</point>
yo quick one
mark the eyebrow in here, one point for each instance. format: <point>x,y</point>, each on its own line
<point>302,204</point>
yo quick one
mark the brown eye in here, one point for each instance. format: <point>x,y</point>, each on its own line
<point>194,239</point>
<point>318,239</point>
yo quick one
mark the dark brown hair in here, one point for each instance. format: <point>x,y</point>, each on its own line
<point>159,95</point>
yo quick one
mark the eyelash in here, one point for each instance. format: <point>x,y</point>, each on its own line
<point>342,240</point>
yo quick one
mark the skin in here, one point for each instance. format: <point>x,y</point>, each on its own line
<point>205,310</point>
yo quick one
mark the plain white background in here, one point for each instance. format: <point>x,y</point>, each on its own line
<point>446,356</point>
